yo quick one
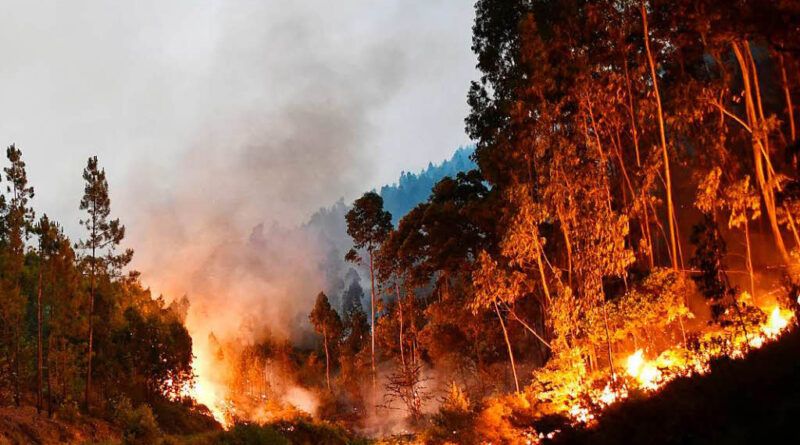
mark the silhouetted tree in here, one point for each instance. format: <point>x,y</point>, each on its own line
<point>369,225</point>
<point>327,323</point>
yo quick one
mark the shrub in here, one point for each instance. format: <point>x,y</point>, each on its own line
<point>139,426</point>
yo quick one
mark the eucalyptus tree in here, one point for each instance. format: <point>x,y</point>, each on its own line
<point>327,323</point>
<point>368,224</point>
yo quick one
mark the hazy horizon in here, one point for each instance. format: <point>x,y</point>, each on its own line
<point>266,110</point>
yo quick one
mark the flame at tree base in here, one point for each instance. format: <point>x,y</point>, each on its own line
<point>651,375</point>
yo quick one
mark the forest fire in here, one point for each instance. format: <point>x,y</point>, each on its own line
<point>613,253</point>
<point>205,393</point>
<point>650,375</point>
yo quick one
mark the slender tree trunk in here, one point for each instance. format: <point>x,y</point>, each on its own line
<point>327,359</point>
<point>508,345</point>
<point>87,396</point>
<point>527,326</point>
<point>17,399</point>
<point>608,343</point>
<point>49,378</point>
<point>372,318</point>
<point>400,309</point>
<point>792,226</point>
<point>39,355</point>
<point>749,257</point>
<point>760,154</point>
<point>787,94</point>
<point>540,265</point>
<point>683,331</point>
<point>662,134</point>
<point>635,137</point>
<point>632,113</point>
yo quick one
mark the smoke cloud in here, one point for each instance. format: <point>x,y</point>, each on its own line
<point>223,125</point>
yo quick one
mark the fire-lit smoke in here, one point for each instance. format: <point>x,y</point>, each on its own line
<point>223,223</point>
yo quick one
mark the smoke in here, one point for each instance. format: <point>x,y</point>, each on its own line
<point>223,222</point>
<point>223,125</point>
<point>271,166</point>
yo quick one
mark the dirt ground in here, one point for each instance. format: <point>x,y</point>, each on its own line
<point>23,426</point>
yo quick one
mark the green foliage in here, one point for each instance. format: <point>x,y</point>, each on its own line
<point>367,223</point>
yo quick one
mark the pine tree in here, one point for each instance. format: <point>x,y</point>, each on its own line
<point>103,237</point>
<point>19,220</point>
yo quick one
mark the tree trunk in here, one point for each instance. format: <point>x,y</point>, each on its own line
<point>792,226</point>
<point>608,344</point>
<point>49,378</point>
<point>372,318</point>
<point>749,257</point>
<point>17,400</point>
<point>400,310</point>
<point>508,345</point>
<point>87,396</point>
<point>662,134</point>
<point>327,359</point>
<point>788,96</point>
<point>527,326</point>
<point>760,154</point>
<point>39,355</point>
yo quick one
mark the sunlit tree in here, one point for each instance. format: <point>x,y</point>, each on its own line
<point>368,224</point>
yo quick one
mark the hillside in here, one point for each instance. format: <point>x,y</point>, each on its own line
<point>328,231</point>
<point>747,401</point>
<point>413,188</point>
<point>22,426</point>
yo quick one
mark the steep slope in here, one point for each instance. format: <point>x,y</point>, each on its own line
<point>748,401</point>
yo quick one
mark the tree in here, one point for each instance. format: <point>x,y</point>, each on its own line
<point>19,220</point>
<point>710,250</point>
<point>47,232</point>
<point>744,205</point>
<point>493,286</point>
<point>327,323</point>
<point>369,225</point>
<point>356,331</point>
<point>671,217</point>
<point>353,294</point>
<point>62,330</point>
<point>103,237</point>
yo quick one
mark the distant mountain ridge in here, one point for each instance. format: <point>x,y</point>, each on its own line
<point>328,231</point>
<point>412,189</point>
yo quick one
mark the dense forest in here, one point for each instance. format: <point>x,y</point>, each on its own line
<point>633,215</point>
<point>414,188</point>
<point>627,221</point>
<point>79,334</point>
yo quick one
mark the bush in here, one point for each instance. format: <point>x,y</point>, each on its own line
<point>453,423</point>
<point>247,434</point>
<point>139,426</point>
